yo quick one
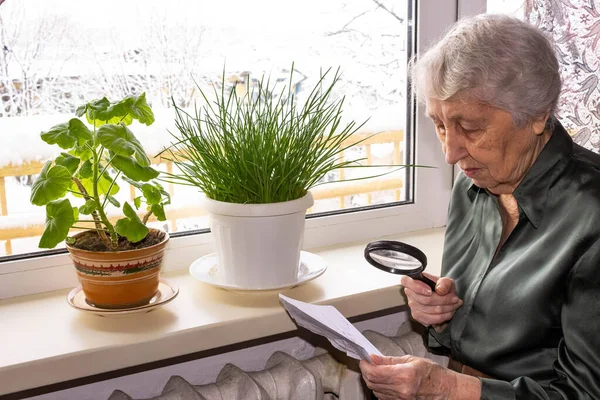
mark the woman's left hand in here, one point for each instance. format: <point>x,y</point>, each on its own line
<point>410,377</point>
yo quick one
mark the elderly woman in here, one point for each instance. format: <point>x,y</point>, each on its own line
<point>518,307</point>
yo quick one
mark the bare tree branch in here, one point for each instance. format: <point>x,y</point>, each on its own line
<point>345,27</point>
<point>393,14</point>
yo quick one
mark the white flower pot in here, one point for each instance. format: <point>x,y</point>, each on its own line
<point>258,245</point>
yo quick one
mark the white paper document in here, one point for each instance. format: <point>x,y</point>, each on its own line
<point>329,322</point>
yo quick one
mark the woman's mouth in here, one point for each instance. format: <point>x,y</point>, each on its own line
<point>471,172</point>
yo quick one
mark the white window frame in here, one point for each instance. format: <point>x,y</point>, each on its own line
<point>431,197</point>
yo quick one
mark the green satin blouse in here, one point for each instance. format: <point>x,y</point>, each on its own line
<point>531,314</point>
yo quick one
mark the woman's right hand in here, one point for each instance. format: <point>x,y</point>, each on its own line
<point>431,308</point>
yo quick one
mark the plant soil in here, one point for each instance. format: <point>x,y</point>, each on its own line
<point>90,241</point>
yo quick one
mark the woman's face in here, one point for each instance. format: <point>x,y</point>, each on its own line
<point>484,143</point>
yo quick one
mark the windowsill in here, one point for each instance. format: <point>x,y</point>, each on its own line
<point>44,341</point>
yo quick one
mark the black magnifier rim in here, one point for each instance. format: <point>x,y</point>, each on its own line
<point>399,247</point>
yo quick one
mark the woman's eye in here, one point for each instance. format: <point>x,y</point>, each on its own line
<point>469,130</point>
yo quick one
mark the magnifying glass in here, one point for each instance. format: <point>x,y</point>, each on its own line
<point>398,258</point>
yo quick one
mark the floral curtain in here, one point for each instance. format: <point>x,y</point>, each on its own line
<point>575,27</point>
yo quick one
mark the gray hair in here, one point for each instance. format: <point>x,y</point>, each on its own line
<point>500,60</point>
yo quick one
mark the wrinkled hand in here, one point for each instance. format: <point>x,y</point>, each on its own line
<point>408,377</point>
<point>431,308</point>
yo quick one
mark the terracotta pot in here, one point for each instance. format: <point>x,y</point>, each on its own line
<point>119,279</point>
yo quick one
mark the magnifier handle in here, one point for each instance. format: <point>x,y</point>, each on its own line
<point>423,278</point>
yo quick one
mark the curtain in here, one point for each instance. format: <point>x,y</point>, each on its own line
<point>574,25</point>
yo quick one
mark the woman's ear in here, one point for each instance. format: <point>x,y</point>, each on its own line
<point>539,123</point>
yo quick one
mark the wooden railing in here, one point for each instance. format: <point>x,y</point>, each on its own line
<point>328,191</point>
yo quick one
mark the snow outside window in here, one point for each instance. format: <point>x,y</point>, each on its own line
<point>56,56</point>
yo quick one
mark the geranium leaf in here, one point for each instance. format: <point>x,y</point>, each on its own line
<point>86,170</point>
<point>132,169</point>
<point>82,152</point>
<point>131,227</point>
<point>137,202</point>
<point>113,201</point>
<point>132,182</point>
<point>164,193</point>
<point>51,184</point>
<point>59,219</point>
<point>120,140</point>
<point>59,134</point>
<point>117,112</point>
<point>67,134</point>
<point>94,107</point>
<point>159,211</point>
<point>88,208</point>
<point>151,194</point>
<point>141,111</point>
<point>104,183</point>
<point>68,161</point>
<point>80,131</point>
<point>81,110</point>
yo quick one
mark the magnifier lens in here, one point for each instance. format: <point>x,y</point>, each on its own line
<point>396,259</point>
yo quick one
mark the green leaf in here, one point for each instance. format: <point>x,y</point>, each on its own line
<point>68,161</point>
<point>102,111</point>
<point>68,134</point>
<point>88,208</point>
<point>131,226</point>
<point>159,211</point>
<point>75,213</point>
<point>104,183</point>
<point>75,189</point>
<point>82,152</point>
<point>113,201</point>
<point>81,110</point>
<point>80,131</point>
<point>141,111</point>
<point>120,140</point>
<point>137,202</point>
<point>151,193</point>
<point>164,193</point>
<point>132,169</point>
<point>51,184</point>
<point>99,112</point>
<point>59,134</point>
<point>132,183</point>
<point>59,219</point>
<point>86,170</point>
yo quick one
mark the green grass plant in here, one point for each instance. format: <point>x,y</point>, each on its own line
<point>262,147</point>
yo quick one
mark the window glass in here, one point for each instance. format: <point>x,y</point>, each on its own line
<point>515,8</point>
<point>58,55</point>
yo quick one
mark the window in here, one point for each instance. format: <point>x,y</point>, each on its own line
<point>514,8</point>
<point>56,56</point>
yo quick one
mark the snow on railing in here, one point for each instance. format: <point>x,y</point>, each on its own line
<point>27,221</point>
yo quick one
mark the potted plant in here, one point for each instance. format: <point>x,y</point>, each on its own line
<point>256,157</point>
<point>117,263</point>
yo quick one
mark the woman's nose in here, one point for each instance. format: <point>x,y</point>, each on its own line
<point>454,147</point>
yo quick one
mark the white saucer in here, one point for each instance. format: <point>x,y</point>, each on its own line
<point>206,269</point>
<point>166,293</point>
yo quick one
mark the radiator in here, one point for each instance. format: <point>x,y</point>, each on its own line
<point>321,377</point>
